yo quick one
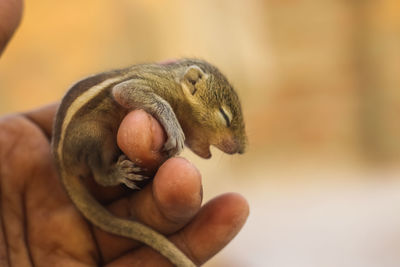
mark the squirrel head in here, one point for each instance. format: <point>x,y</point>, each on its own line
<point>214,109</point>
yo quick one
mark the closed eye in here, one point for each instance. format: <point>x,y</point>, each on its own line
<point>225,116</point>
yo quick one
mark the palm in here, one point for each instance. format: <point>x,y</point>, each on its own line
<point>41,225</point>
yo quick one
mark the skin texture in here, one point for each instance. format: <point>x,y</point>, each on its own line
<point>33,201</point>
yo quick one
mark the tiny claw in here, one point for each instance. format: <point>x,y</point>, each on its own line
<point>130,184</point>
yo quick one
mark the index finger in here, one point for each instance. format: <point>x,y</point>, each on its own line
<point>141,138</point>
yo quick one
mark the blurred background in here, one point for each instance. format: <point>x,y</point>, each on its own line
<point>320,89</point>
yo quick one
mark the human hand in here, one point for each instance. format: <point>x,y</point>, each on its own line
<point>42,227</point>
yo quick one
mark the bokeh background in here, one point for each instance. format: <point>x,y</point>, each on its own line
<point>320,86</point>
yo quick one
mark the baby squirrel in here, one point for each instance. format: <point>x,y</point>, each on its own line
<point>190,98</point>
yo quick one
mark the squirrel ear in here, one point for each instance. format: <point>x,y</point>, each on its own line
<point>192,75</point>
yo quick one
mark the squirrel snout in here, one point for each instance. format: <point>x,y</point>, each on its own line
<point>231,146</point>
<point>241,148</point>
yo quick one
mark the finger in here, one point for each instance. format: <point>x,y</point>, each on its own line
<point>166,205</point>
<point>10,16</point>
<point>43,117</point>
<point>214,227</point>
<point>140,136</point>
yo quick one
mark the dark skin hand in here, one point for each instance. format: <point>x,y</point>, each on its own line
<point>41,227</point>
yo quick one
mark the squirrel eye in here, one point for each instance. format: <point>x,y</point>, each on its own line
<point>193,82</point>
<point>225,116</point>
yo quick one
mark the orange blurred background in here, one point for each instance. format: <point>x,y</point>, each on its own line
<point>320,89</point>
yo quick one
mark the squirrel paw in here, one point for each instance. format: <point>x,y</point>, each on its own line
<point>129,172</point>
<point>175,142</point>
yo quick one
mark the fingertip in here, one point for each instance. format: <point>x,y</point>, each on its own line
<point>238,203</point>
<point>177,189</point>
<point>227,209</point>
<point>140,136</point>
<point>218,222</point>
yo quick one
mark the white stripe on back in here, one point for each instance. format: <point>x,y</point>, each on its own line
<point>80,101</point>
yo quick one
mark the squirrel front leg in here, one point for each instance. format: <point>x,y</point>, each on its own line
<point>133,94</point>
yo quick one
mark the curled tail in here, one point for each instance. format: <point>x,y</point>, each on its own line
<point>99,216</point>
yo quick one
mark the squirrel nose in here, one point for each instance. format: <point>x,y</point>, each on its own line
<point>241,146</point>
<point>241,149</point>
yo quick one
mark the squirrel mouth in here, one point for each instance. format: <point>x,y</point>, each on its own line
<point>203,152</point>
<point>226,145</point>
<point>229,146</point>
